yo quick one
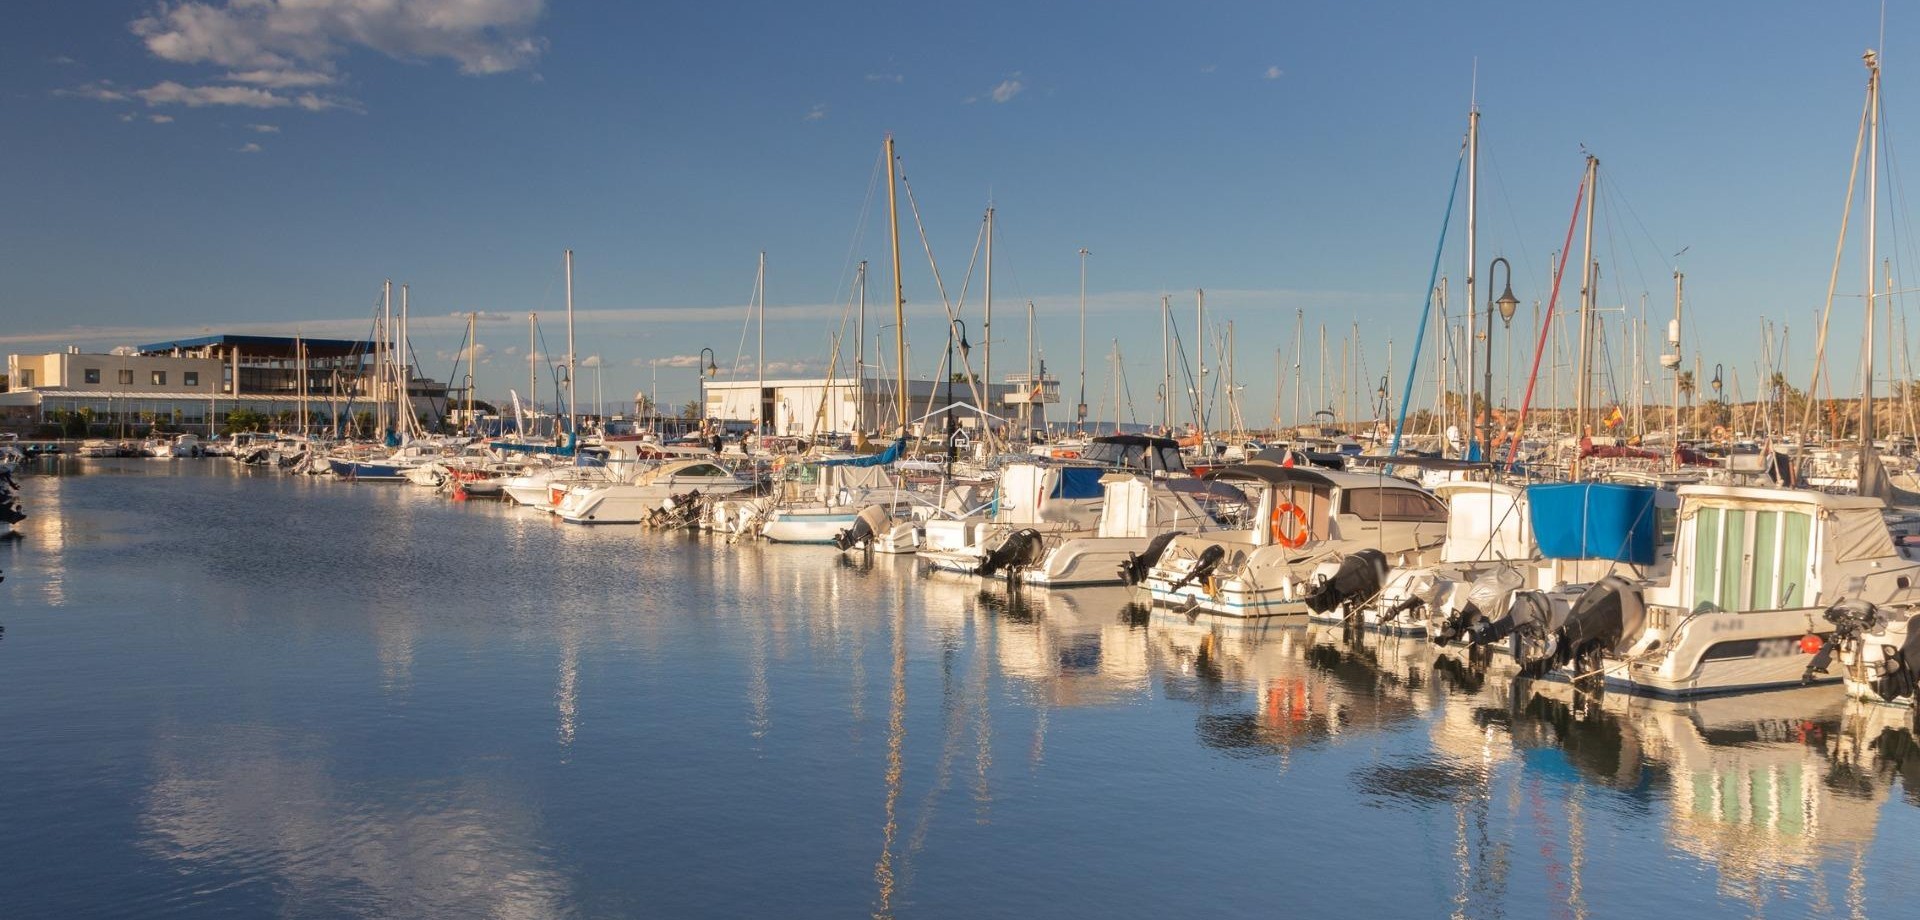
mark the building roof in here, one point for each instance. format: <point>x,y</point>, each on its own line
<point>265,345</point>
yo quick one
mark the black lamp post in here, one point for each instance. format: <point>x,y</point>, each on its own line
<point>711,369</point>
<point>965,349</point>
<point>1507,304</point>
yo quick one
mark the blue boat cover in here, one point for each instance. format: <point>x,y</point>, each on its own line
<point>1593,520</point>
<point>1080,482</point>
<point>892,453</point>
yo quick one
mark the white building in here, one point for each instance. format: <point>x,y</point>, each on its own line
<point>808,406</point>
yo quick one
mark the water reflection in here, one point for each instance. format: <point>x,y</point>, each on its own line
<point>608,714</point>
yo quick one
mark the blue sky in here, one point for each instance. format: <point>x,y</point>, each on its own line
<point>218,165</point>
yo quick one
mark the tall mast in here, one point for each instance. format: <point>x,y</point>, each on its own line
<point>570,423</point>
<point>533,365</point>
<point>403,374</point>
<point>1587,294</point>
<point>860,358</point>
<point>760,361</point>
<point>1873,177</point>
<point>383,370</point>
<point>1299,331</point>
<point>1040,386</point>
<point>1166,364</point>
<point>899,294</point>
<point>986,325</point>
<point>1080,410</point>
<point>470,353</point>
<point>1200,364</point>
<point>1473,259</point>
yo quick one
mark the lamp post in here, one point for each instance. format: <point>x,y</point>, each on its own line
<point>965,349</point>
<point>1506,305</point>
<point>709,370</point>
<point>1719,370</point>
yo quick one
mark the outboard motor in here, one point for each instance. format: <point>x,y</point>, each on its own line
<point>866,525</point>
<point>1486,600</point>
<point>1208,560</point>
<point>1527,610</point>
<point>1851,619</point>
<point>1609,610</point>
<point>1135,569</point>
<point>1357,581</point>
<point>1897,677</point>
<point>1424,591</point>
<point>1021,548</point>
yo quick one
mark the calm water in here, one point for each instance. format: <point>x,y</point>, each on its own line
<point>241,694</point>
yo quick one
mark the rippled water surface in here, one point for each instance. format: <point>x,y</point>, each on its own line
<point>234,693</point>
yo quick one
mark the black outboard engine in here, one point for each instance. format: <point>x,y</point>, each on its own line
<point>1609,610</point>
<point>1021,548</point>
<point>1423,590</point>
<point>1486,600</point>
<point>1135,569</point>
<point>866,525</point>
<point>1528,609</point>
<point>1851,619</point>
<point>1897,678</point>
<point>1208,560</point>
<point>1357,581</point>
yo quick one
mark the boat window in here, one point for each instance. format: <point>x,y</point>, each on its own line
<point>703,469</point>
<point>1393,505</point>
<point>1751,560</point>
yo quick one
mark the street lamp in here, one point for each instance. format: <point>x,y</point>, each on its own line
<point>965,349</point>
<point>1506,305</point>
<point>709,370</point>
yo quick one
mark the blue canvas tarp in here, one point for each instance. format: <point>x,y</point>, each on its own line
<point>1080,482</point>
<point>892,453</point>
<point>1594,520</point>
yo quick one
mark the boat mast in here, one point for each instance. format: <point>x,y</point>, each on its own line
<point>899,295</point>
<point>570,422</point>
<point>383,344</point>
<point>760,358</point>
<point>1041,386</point>
<point>1587,294</point>
<point>403,372</point>
<point>533,365</point>
<point>986,325</point>
<point>860,357</point>
<point>1200,362</point>
<point>470,354</point>
<point>1166,365</point>
<point>1473,258</point>
<point>1873,177</point>
<point>1299,330</point>
<point>1080,409</point>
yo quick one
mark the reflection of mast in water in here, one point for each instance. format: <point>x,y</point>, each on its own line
<point>896,738</point>
<point>982,724</point>
<point>759,697</point>
<point>566,696</point>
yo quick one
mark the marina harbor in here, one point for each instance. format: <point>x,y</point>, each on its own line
<point>529,459</point>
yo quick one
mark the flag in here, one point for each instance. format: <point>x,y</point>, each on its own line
<point>1615,418</point>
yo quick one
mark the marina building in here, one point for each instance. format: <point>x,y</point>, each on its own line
<point>196,384</point>
<point>799,407</point>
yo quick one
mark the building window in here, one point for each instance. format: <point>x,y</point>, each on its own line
<point>192,378</point>
<point>159,378</point>
<point>26,378</point>
<point>92,374</point>
<point>126,377</point>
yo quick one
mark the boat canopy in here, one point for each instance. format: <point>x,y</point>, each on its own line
<point>1271,474</point>
<point>1485,521</point>
<point>892,453</point>
<point>1594,520</point>
<point>1135,452</point>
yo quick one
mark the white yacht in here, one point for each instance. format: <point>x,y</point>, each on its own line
<point>632,502</point>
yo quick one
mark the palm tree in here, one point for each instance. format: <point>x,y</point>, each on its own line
<point>691,410</point>
<point>1686,392</point>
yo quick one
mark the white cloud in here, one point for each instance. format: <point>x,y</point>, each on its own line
<point>894,78</point>
<point>248,147</point>
<point>1273,73</point>
<point>682,361</point>
<point>308,36</point>
<point>98,90</point>
<point>126,116</point>
<point>818,112</point>
<point>63,60</point>
<point>1008,88</point>
<point>265,129</point>
<point>281,79</point>
<point>590,361</point>
<point>160,119</point>
<point>169,92</point>
<point>1210,68</point>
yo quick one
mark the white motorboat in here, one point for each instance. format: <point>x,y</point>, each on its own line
<point>632,502</point>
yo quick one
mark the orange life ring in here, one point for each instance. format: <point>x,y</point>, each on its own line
<point>1299,537</point>
<point>1066,454</point>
